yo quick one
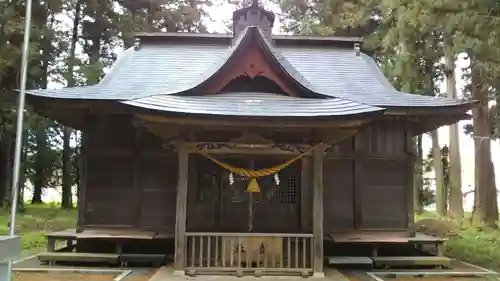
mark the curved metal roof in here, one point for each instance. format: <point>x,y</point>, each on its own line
<point>169,69</point>
<point>253,105</point>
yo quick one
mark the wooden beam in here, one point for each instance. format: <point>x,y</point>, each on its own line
<point>318,154</point>
<point>236,121</point>
<point>443,110</point>
<point>181,209</point>
<point>226,148</point>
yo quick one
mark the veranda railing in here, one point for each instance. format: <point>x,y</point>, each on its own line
<point>249,253</point>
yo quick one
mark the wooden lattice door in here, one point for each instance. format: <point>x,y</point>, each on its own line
<point>276,208</point>
<point>220,201</point>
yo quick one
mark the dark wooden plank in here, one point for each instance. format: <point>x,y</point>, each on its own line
<point>412,261</point>
<point>158,182</point>
<point>427,239</point>
<point>318,209</point>
<point>181,207</point>
<point>156,259</point>
<point>78,257</point>
<point>236,122</point>
<point>338,195</point>
<point>107,233</point>
<point>63,234</point>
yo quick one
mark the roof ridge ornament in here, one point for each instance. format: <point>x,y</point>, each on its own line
<point>137,44</point>
<point>357,48</point>
<point>253,16</point>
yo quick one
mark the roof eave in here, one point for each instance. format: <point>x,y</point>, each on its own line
<point>452,109</point>
<point>221,38</point>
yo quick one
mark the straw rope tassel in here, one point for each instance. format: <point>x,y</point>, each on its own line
<point>253,185</point>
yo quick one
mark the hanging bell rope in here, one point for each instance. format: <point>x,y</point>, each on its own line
<point>253,186</point>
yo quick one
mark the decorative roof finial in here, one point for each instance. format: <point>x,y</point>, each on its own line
<point>253,16</point>
<point>137,44</point>
<point>357,48</point>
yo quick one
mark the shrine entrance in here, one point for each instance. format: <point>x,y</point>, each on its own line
<point>234,227</point>
<point>219,200</point>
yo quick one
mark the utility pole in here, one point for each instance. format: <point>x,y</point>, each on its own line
<point>19,130</point>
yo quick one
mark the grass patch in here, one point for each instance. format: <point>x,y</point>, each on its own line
<point>475,245</point>
<point>471,243</point>
<point>37,220</point>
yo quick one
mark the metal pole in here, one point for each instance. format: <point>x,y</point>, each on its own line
<point>19,128</point>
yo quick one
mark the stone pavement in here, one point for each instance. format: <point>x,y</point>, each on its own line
<point>166,274</point>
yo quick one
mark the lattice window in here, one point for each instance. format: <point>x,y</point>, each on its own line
<point>287,191</point>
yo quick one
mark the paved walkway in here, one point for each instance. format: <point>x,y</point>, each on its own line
<point>166,274</point>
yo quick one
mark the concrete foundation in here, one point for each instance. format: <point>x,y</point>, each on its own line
<point>10,249</point>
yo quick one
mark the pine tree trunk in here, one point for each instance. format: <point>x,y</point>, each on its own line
<point>494,191</point>
<point>67,195</point>
<point>486,209</point>
<point>67,181</point>
<point>438,171</point>
<point>39,179</point>
<point>22,176</point>
<point>417,177</point>
<point>4,157</point>
<point>8,158</point>
<point>456,209</point>
<point>40,130</point>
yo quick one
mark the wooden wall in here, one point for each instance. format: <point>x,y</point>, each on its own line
<point>365,180</point>
<point>131,180</point>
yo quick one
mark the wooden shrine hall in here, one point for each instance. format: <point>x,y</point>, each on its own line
<point>243,153</point>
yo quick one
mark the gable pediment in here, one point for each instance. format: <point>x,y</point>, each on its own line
<point>252,57</point>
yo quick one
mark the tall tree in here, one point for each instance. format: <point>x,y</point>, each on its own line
<point>67,178</point>
<point>41,175</point>
<point>485,203</point>
<point>438,171</point>
<point>456,209</point>
<point>478,22</point>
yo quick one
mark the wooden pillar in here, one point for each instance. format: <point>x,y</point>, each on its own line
<point>181,210</point>
<point>137,187</point>
<point>82,184</point>
<point>305,195</point>
<point>358,183</point>
<point>318,154</point>
<point>410,170</point>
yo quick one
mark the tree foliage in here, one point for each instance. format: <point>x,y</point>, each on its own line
<point>409,41</point>
<point>73,43</point>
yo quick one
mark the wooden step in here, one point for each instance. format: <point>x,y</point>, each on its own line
<point>156,259</point>
<point>339,260</point>
<point>411,261</point>
<point>52,257</point>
